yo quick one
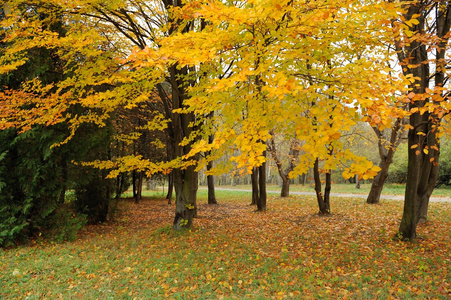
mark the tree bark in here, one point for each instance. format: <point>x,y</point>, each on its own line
<point>254,180</point>
<point>170,187</point>
<point>423,142</point>
<point>134,183</point>
<point>211,186</point>
<point>386,153</point>
<point>378,184</point>
<point>285,192</point>
<point>293,154</point>
<point>185,183</point>
<point>185,180</point>
<point>323,201</point>
<point>261,201</point>
<point>139,187</point>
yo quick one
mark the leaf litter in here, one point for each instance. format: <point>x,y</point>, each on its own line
<point>234,252</point>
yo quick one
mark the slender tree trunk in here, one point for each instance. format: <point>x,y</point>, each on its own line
<point>302,179</point>
<point>139,186</point>
<point>357,182</point>
<point>64,180</point>
<point>386,152</point>
<point>327,190</point>
<point>378,183</point>
<point>210,178</point>
<point>134,183</point>
<point>254,180</point>
<point>170,187</point>
<point>323,202</point>
<point>211,186</point>
<point>261,203</point>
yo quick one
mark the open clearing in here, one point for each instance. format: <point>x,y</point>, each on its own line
<point>236,253</point>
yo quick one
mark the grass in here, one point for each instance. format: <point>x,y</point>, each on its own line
<point>236,253</point>
<point>389,189</point>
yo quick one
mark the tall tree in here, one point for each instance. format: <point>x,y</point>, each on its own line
<point>98,47</point>
<point>422,50</point>
<point>271,87</point>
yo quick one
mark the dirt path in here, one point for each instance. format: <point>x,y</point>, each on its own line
<point>386,197</point>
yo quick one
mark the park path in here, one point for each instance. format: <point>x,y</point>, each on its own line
<point>344,195</point>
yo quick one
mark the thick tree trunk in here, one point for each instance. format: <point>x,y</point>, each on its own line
<point>423,141</point>
<point>285,187</point>
<point>185,180</point>
<point>185,183</point>
<point>254,180</point>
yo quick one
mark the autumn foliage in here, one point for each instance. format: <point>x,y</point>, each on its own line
<point>287,252</point>
<point>224,77</point>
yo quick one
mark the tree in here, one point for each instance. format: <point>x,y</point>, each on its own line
<point>292,156</point>
<point>260,66</point>
<point>270,84</point>
<point>97,48</point>
<point>387,148</point>
<point>422,48</point>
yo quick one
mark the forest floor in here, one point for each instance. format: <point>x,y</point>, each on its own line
<point>234,252</point>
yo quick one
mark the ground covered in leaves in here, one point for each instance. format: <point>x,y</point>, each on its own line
<point>236,253</point>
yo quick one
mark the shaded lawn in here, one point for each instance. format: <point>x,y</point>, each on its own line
<point>237,253</point>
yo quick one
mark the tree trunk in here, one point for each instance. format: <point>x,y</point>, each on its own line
<point>261,201</point>
<point>211,186</point>
<point>378,183</point>
<point>302,179</point>
<point>285,187</point>
<point>323,202</point>
<point>357,182</point>
<point>293,154</point>
<point>185,183</point>
<point>423,141</point>
<point>386,152</point>
<point>170,187</point>
<point>185,180</point>
<point>134,183</point>
<point>327,190</point>
<point>139,186</point>
<point>254,180</point>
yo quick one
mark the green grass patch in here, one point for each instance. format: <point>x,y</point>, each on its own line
<point>234,252</point>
